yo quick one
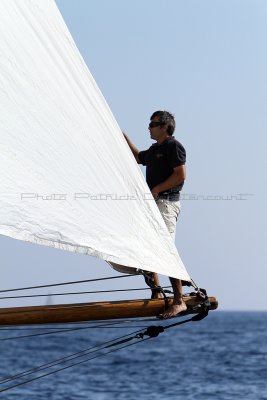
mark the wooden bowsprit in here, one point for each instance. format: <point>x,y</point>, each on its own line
<point>66,313</point>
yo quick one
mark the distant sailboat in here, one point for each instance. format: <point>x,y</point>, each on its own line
<point>49,299</point>
<point>68,179</point>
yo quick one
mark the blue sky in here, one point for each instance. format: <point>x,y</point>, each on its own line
<point>206,62</point>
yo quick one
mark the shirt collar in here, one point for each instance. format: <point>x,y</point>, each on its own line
<point>165,141</point>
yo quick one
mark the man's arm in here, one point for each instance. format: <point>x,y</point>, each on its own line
<point>177,177</point>
<point>134,149</point>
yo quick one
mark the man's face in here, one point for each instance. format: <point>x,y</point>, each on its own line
<point>156,131</point>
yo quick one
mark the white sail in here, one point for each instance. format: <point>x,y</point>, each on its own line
<point>68,178</point>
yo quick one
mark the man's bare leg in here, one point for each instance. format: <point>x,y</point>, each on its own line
<point>178,302</point>
<point>155,294</point>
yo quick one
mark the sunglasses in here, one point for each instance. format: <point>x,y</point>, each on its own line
<point>153,124</point>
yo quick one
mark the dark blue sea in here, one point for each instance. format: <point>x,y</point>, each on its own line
<point>222,357</point>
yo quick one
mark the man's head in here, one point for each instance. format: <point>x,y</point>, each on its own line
<point>166,119</point>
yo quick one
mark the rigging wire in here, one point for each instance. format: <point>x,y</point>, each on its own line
<point>105,346</point>
<point>65,283</point>
<point>56,330</point>
<point>63,329</point>
<point>58,325</point>
<point>74,293</point>
<point>62,324</point>
<point>111,325</point>
<point>66,358</point>
<point>70,366</point>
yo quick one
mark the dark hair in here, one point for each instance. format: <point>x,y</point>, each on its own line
<point>165,118</point>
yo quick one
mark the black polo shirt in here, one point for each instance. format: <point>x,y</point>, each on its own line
<point>160,159</point>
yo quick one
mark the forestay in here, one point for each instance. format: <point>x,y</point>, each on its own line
<point>68,178</point>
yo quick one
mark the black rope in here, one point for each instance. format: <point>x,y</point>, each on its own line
<point>42,334</point>
<point>48,364</point>
<point>66,330</point>
<point>65,283</point>
<point>75,293</point>
<point>58,325</point>
<point>70,366</point>
<point>68,358</point>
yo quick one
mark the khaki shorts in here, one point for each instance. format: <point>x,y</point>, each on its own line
<point>170,211</point>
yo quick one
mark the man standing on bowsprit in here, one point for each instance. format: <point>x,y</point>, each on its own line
<point>165,175</point>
